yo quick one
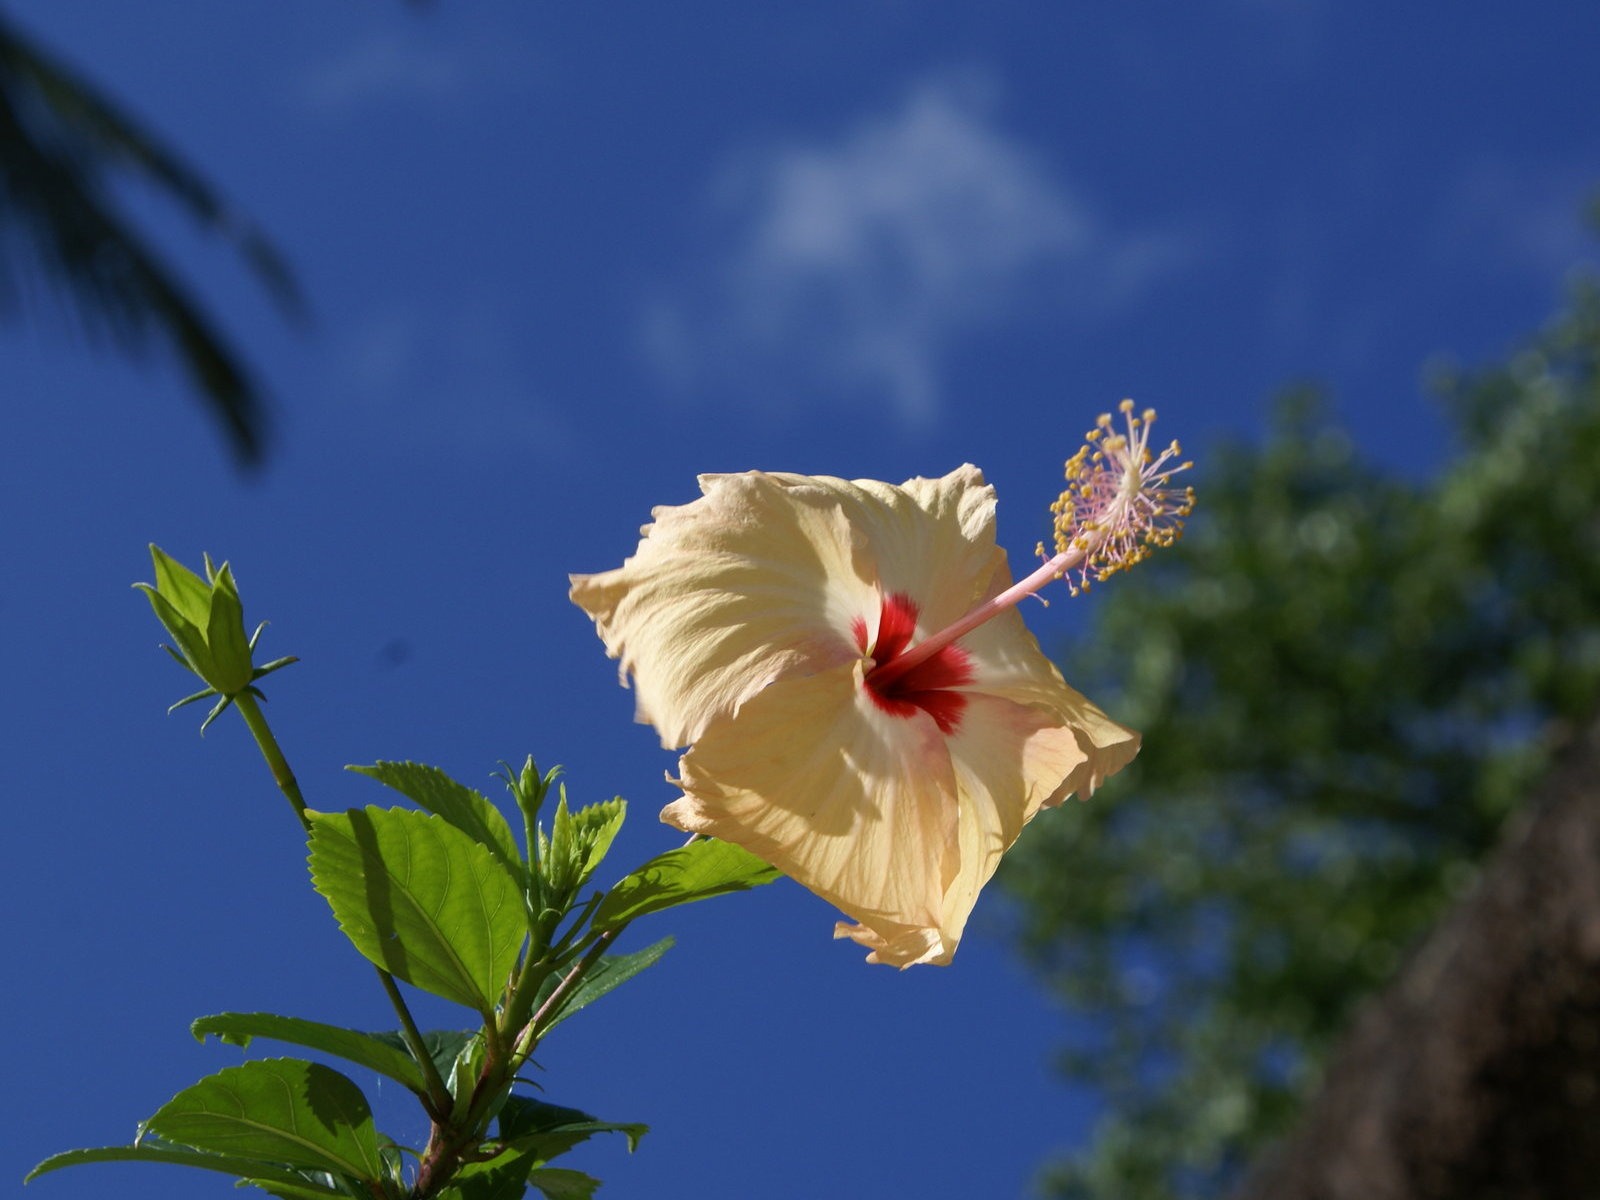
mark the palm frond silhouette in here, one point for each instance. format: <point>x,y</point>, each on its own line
<point>62,145</point>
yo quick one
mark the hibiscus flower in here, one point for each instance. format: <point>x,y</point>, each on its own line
<point>864,707</point>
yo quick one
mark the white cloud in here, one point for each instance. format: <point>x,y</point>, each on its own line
<point>383,66</point>
<point>404,60</point>
<point>850,267</point>
<point>1528,218</point>
<point>454,373</point>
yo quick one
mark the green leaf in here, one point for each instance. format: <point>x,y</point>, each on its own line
<point>610,972</point>
<point>547,1130</point>
<point>469,811</point>
<point>421,899</point>
<point>185,591</point>
<point>504,1177</point>
<point>595,828</point>
<point>462,1081</point>
<point>508,1178</point>
<point>227,1164</point>
<point>524,1115</point>
<point>304,1190</point>
<point>444,1046</point>
<point>697,871</point>
<point>565,859</point>
<point>364,1049</point>
<point>558,1183</point>
<point>278,1109</point>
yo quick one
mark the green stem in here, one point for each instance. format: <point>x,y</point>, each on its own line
<point>495,1044</point>
<point>438,1092</point>
<point>528,1040</point>
<point>283,776</point>
<point>530,976</point>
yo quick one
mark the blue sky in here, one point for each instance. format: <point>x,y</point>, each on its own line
<point>562,258</point>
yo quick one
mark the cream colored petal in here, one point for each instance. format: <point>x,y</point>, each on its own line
<point>1006,662</point>
<point>764,576</point>
<point>899,945</point>
<point>755,580</point>
<point>1004,656</point>
<point>856,805</point>
<point>1108,745</point>
<point>931,539</point>
<point>1009,761</point>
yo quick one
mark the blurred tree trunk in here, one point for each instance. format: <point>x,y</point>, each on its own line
<point>1476,1073</point>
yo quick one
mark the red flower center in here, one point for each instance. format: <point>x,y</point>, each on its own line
<point>926,686</point>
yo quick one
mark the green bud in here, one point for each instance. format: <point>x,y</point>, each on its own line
<point>206,619</point>
<point>529,787</point>
<point>564,860</point>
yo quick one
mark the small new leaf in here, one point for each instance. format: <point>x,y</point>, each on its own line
<point>464,1074</point>
<point>594,829</point>
<point>564,862</point>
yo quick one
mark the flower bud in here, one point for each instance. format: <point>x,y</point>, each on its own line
<point>206,619</point>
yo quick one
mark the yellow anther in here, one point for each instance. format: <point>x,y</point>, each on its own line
<point>1119,504</point>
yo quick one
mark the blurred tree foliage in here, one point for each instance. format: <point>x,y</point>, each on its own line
<point>63,148</point>
<point>1346,680</point>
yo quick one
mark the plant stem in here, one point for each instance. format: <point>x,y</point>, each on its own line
<point>279,766</point>
<point>529,1038</point>
<point>438,1094</point>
